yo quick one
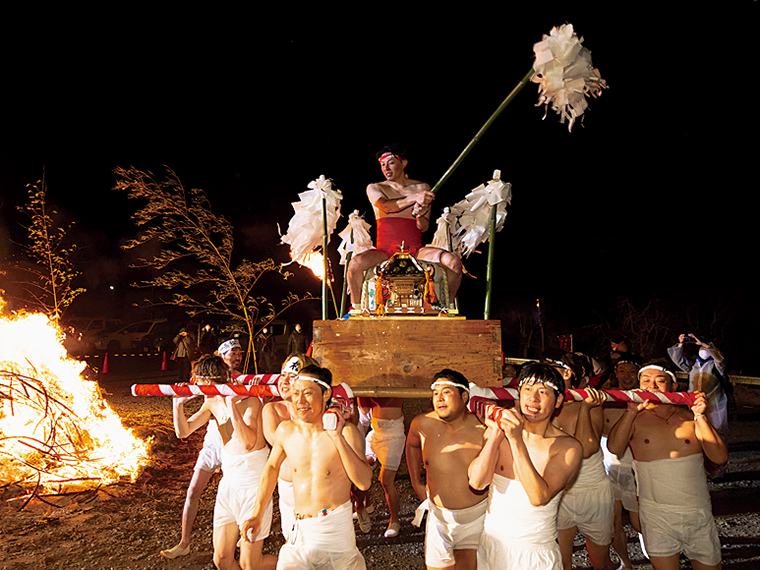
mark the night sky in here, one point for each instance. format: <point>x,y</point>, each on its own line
<point>651,196</point>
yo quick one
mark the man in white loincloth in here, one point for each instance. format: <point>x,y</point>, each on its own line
<point>444,442</point>
<point>587,504</point>
<point>244,453</point>
<point>527,462</point>
<point>386,442</point>
<point>620,470</point>
<point>209,460</point>
<point>273,414</point>
<point>325,462</point>
<point>669,444</point>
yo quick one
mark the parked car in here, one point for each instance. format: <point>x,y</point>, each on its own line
<point>131,337</point>
<point>81,333</point>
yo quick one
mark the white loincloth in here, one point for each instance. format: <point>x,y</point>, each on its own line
<point>449,530</point>
<point>620,472</point>
<point>238,488</point>
<point>675,508</point>
<point>210,455</point>
<point>588,503</point>
<point>287,506</point>
<point>323,542</point>
<point>387,440</point>
<point>517,535</point>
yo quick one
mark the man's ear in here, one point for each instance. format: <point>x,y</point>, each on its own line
<point>560,400</point>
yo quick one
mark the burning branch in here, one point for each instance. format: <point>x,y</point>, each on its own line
<point>57,434</point>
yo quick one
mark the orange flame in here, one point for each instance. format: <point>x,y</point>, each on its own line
<point>316,263</point>
<point>55,427</point>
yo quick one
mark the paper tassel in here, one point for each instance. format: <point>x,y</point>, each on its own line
<point>442,236</point>
<point>564,74</point>
<point>362,239</point>
<point>305,227</point>
<point>473,214</point>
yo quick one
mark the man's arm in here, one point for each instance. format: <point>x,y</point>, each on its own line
<point>267,483</point>
<point>422,196</point>
<point>588,427</point>
<point>350,446</point>
<point>622,432</point>
<point>480,472</point>
<point>712,443</point>
<point>414,458</point>
<point>245,424</point>
<point>270,420</point>
<point>561,467</point>
<point>184,426</point>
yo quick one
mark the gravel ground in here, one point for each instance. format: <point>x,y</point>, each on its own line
<point>124,527</point>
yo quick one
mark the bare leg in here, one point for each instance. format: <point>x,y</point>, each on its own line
<point>565,539</point>
<point>619,539</point>
<point>356,268</point>
<point>192,500</point>
<point>388,481</point>
<point>599,555</point>
<point>463,560</point>
<point>665,562</point>
<point>225,541</point>
<point>451,263</point>
<point>634,516</point>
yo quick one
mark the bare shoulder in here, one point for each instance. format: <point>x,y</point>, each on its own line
<point>563,442</point>
<point>474,423</point>
<point>417,185</point>
<point>378,188</point>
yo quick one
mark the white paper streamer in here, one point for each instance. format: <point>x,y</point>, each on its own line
<point>564,74</point>
<point>473,214</point>
<point>305,227</point>
<point>442,236</point>
<point>362,239</point>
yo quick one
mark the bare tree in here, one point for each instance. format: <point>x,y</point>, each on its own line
<point>182,220</point>
<point>52,271</point>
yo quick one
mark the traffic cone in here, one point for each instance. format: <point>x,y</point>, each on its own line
<point>164,364</point>
<point>105,364</point>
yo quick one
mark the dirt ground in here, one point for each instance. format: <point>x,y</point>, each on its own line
<point>124,526</point>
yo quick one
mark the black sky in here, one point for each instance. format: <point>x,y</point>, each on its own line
<point>651,195</point>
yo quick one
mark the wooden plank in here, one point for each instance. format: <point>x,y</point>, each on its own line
<point>408,351</point>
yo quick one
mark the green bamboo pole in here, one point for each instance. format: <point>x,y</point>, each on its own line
<point>489,269</point>
<point>324,256</point>
<point>523,82</point>
<point>344,289</point>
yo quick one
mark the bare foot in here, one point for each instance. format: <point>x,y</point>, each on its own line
<point>175,552</point>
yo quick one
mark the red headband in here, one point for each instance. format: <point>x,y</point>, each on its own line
<point>387,155</point>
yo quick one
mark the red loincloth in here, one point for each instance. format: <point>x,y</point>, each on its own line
<point>392,231</point>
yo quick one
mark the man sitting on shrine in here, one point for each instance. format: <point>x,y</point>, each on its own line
<point>402,211</point>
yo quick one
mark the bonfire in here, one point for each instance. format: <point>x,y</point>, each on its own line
<point>57,433</point>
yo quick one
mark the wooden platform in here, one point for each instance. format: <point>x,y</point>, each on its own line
<point>408,351</point>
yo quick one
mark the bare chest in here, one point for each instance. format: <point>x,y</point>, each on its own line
<point>656,437</point>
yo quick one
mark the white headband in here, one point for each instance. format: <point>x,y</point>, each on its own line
<point>534,380</point>
<point>293,365</point>
<point>445,382</point>
<point>558,363</point>
<point>322,383</point>
<point>228,345</point>
<point>657,367</point>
